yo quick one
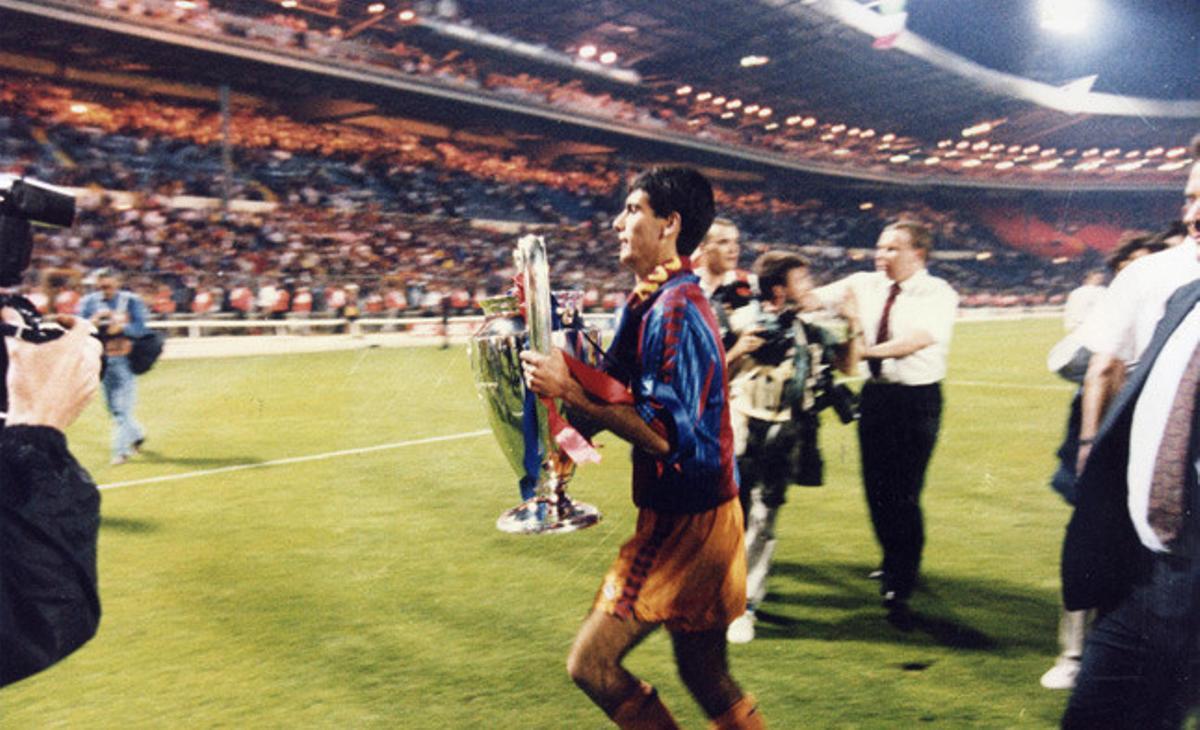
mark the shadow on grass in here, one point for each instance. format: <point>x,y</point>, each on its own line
<point>128,526</point>
<point>199,462</point>
<point>1004,617</point>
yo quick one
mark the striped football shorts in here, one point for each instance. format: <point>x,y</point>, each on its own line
<point>686,571</point>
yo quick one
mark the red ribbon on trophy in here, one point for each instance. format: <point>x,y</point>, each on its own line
<point>597,383</point>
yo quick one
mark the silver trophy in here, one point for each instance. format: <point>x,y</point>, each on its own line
<point>517,416</point>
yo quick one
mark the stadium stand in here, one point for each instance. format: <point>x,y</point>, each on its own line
<point>677,106</point>
<point>432,198</point>
<point>444,204</point>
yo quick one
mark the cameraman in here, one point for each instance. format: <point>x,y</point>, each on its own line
<point>780,383</point>
<point>49,506</point>
<point>119,315</point>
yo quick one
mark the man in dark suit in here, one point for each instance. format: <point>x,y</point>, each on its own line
<point>1133,546</point>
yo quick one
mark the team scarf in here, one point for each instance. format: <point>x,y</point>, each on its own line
<point>645,288</point>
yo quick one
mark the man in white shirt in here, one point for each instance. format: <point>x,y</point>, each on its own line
<point>1070,360</point>
<point>727,287</point>
<point>1081,299</point>
<point>1133,546</point>
<point>908,318</point>
<point>1119,327</point>
<point>1141,663</point>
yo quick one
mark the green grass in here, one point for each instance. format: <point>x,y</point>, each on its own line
<point>372,590</point>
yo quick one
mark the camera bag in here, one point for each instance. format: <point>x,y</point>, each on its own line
<point>145,352</point>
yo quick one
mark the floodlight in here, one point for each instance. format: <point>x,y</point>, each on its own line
<point>1066,16</point>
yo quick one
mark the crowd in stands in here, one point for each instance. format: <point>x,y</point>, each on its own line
<point>328,260</point>
<point>394,223</point>
<point>791,133</point>
<point>119,141</point>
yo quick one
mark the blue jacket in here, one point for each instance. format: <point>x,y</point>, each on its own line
<point>124,301</point>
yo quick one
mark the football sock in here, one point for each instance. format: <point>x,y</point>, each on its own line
<point>643,710</point>
<point>743,715</point>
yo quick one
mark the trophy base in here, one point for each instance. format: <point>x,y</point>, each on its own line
<point>540,516</point>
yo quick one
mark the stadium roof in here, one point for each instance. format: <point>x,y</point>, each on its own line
<point>835,59</point>
<point>845,63</point>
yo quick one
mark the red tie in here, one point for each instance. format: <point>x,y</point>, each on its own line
<point>883,333</point>
<point>1171,464</point>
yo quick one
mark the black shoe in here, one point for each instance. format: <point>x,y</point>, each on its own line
<point>137,445</point>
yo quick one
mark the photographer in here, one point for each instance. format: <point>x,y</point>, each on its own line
<point>118,314</point>
<point>49,506</point>
<point>784,362</point>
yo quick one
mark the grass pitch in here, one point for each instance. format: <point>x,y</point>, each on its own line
<point>370,589</point>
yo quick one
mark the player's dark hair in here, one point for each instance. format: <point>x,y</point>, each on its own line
<point>684,191</point>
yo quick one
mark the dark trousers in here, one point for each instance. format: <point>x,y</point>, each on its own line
<point>769,460</point>
<point>897,431</point>
<point>1141,662</point>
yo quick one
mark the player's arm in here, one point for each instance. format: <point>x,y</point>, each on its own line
<point>548,375</point>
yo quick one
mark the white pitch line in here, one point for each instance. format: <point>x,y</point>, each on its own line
<point>294,460</point>
<point>985,384</point>
<point>456,437</point>
<point>1013,386</point>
